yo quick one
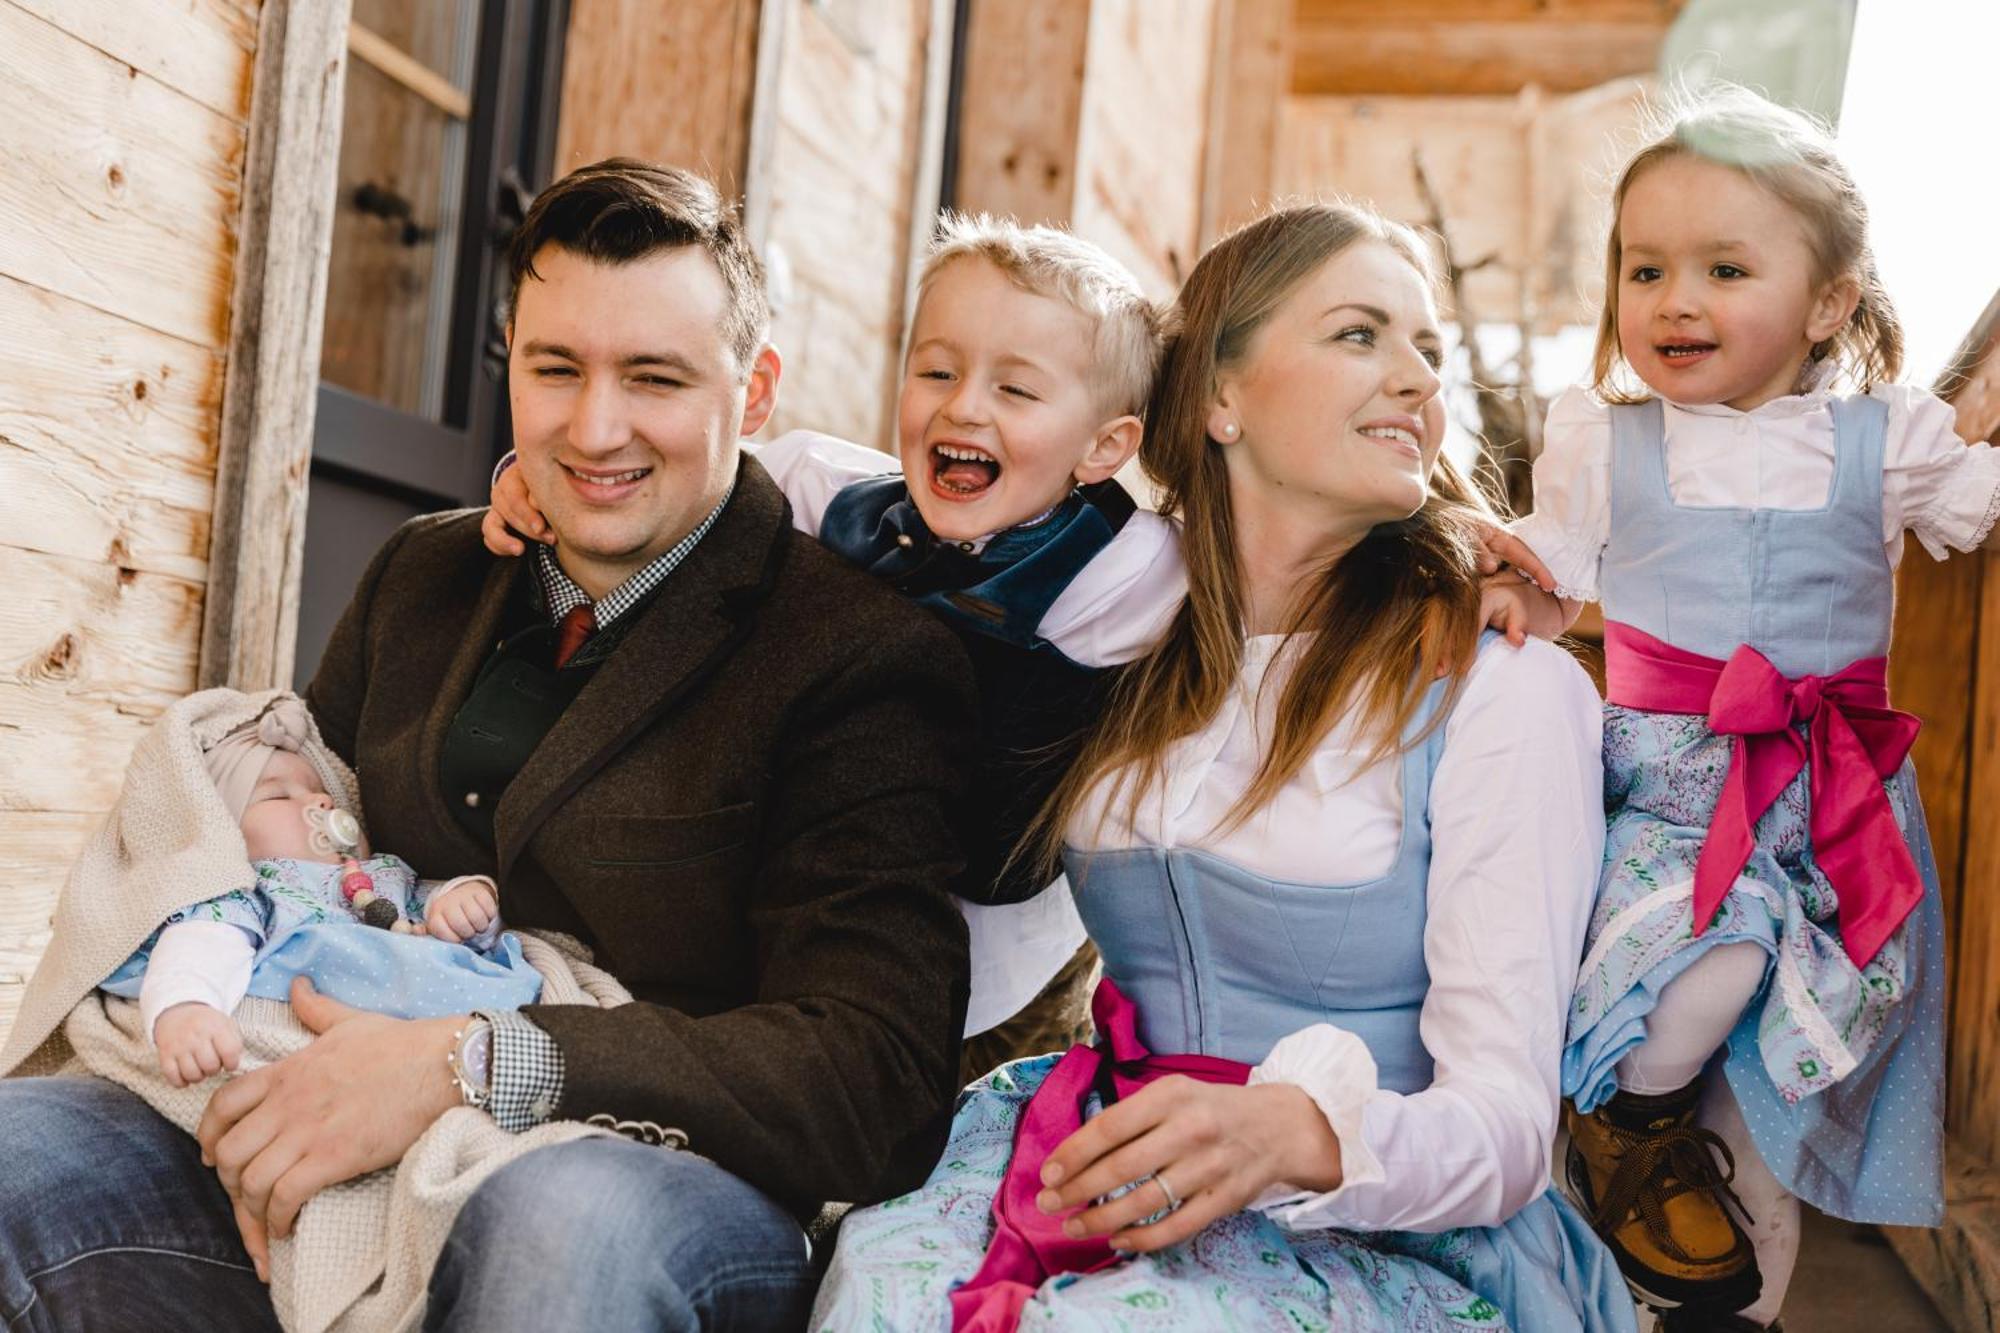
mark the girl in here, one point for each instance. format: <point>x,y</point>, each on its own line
<point>1768,895</point>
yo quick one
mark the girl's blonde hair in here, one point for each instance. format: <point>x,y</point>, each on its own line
<point>1387,618</point>
<point>1792,156</point>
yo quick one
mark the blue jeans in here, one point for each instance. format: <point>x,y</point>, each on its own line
<point>108,1220</point>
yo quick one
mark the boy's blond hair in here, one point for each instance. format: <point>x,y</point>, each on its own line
<point>1051,262</point>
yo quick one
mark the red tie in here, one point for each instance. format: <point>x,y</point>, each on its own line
<point>578,623</point>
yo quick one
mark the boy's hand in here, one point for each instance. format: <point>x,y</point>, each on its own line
<point>1501,547</point>
<point>462,911</point>
<point>1517,608</point>
<point>513,511</point>
<point>196,1040</point>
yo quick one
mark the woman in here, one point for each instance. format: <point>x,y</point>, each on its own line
<point>1338,865</point>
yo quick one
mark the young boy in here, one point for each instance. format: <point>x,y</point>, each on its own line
<point>1031,355</point>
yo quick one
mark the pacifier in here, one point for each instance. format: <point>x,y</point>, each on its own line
<point>334,832</point>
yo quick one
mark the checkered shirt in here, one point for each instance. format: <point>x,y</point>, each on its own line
<point>563,596</point>
<point>527,1062</point>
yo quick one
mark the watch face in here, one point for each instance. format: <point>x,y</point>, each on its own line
<point>475,1054</point>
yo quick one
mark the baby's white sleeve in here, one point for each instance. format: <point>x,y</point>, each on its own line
<point>1943,490</point>
<point>206,962</point>
<point>1572,516</point>
<point>811,468</point>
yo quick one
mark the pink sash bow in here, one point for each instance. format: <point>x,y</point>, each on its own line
<point>1854,742</point>
<point>1028,1245</point>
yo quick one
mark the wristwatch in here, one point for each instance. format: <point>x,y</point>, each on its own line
<point>470,1060</point>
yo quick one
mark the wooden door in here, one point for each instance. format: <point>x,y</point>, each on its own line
<point>447,132</point>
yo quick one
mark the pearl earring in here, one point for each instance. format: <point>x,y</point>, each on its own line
<point>1229,431</point>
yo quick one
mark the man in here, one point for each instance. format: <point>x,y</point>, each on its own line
<point>685,735</point>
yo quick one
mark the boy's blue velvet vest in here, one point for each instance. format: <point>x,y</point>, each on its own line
<point>1034,701</point>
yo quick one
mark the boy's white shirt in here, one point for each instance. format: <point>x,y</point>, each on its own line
<point>209,962</point>
<point>1110,613</point>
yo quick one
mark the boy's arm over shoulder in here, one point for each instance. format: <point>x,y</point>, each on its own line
<point>811,468</point>
<point>1120,603</point>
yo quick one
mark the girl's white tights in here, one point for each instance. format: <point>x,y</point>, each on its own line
<point>1696,1013</point>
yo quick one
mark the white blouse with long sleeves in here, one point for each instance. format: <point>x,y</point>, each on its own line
<point>1509,895</point>
<point>1776,456</point>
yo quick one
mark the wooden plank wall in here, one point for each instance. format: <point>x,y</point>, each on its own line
<point>1523,178</point>
<point>1095,116</point>
<point>838,173</point>
<point>667,82</point>
<point>118,207</point>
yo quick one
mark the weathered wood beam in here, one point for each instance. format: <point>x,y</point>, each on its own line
<point>271,374</point>
<point>1252,71</point>
<point>1432,56</point>
<point>667,82</point>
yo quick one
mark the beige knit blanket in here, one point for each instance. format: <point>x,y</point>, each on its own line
<point>361,1253</point>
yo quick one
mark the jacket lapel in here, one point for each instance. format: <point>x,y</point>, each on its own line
<point>690,625</point>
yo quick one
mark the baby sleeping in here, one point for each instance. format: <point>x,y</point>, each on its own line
<point>423,947</point>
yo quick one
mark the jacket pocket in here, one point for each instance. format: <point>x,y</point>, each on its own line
<point>663,842</point>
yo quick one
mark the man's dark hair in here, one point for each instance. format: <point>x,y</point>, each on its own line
<point>622,209</point>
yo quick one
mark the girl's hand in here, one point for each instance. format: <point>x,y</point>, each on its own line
<point>1517,608</point>
<point>513,510</point>
<point>1502,547</point>
<point>1219,1146</point>
<point>462,911</point>
<point>195,1041</point>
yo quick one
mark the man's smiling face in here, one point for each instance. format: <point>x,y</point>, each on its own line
<point>628,403</point>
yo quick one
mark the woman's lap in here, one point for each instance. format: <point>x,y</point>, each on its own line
<point>897,1262</point>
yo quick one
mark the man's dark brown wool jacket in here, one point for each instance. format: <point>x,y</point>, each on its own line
<point>745,813</point>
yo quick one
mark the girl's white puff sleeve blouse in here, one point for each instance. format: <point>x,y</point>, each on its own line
<point>1508,898</point>
<point>1776,456</point>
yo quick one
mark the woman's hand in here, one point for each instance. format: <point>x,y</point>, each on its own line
<point>513,510</point>
<point>195,1040</point>
<point>1218,1146</point>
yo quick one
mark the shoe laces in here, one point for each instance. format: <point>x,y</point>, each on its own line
<point>1639,1187</point>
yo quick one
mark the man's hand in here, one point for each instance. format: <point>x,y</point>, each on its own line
<point>195,1040</point>
<point>463,911</point>
<point>1218,1146</point>
<point>512,511</point>
<point>350,1103</point>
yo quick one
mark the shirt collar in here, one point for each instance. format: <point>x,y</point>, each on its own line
<point>562,595</point>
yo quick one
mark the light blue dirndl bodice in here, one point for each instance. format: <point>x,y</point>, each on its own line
<point>1811,589</point>
<point>1220,961</point>
<point>1839,1072</point>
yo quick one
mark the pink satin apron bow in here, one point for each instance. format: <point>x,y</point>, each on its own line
<point>1028,1245</point>
<point>1853,742</point>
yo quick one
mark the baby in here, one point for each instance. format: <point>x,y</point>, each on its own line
<point>310,866</point>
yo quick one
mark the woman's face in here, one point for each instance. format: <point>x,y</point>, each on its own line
<point>1335,404</point>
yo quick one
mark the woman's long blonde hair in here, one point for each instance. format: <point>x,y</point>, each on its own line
<point>1386,619</point>
<point>1791,156</point>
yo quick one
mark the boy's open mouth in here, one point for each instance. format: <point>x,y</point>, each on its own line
<point>961,470</point>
